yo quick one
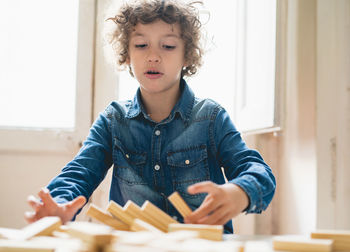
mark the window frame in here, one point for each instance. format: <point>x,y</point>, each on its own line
<point>280,78</point>
<point>17,139</point>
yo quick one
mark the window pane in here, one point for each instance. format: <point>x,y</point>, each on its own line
<point>38,48</point>
<point>216,77</point>
<point>255,92</point>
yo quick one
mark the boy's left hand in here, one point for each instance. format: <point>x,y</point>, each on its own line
<point>222,203</point>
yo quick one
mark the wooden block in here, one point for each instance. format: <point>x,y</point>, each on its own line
<point>180,204</point>
<point>44,226</point>
<point>208,245</point>
<point>100,215</point>
<point>62,228</point>
<point>135,211</point>
<point>60,235</point>
<point>91,233</point>
<point>172,240</point>
<point>140,225</point>
<point>257,246</point>
<point>9,233</point>
<point>24,246</point>
<point>236,246</point>
<point>32,230</point>
<point>157,215</point>
<point>61,232</point>
<point>60,244</point>
<point>341,238</point>
<point>178,236</point>
<point>118,212</point>
<point>209,232</point>
<point>304,244</point>
<point>136,238</point>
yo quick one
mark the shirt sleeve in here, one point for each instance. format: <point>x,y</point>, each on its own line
<point>243,166</point>
<point>85,172</point>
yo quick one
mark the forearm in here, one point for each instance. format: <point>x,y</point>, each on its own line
<point>243,166</point>
<point>85,172</point>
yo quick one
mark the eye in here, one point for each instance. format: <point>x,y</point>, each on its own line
<point>169,47</point>
<point>140,45</point>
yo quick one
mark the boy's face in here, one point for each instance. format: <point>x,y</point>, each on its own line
<point>156,56</point>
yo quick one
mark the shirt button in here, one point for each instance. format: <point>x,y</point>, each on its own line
<point>157,132</point>
<point>127,156</point>
<point>157,167</point>
<point>187,161</point>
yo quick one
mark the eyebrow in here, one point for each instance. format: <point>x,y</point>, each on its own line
<point>138,34</point>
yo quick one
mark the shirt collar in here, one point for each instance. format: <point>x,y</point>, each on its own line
<point>183,106</point>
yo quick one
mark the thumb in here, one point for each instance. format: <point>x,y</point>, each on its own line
<point>202,187</point>
<point>77,203</point>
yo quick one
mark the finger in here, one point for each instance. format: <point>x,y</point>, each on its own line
<point>202,187</point>
<point>214,218</point>
<point>30,217</point>
<point>224,219</point>
<point>207,199</point>
<point>46,198</point>
<point>34,202</point>
<point>205,209</point>
<point>192,217</point>
<point>76,204</point>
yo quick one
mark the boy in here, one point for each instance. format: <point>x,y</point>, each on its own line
<point>165,139</point>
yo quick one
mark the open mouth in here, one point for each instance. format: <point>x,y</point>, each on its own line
<point>152,72</point>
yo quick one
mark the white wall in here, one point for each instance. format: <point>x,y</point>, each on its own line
<point>333,114</point>
<point>311,153</point>
<point>23,174</point>
<point>297,171</point>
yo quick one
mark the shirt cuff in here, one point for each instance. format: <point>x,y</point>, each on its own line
<point>252,189</point>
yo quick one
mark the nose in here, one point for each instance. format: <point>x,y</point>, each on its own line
<point>153,56</point>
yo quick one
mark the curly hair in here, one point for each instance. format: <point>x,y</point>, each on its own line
<point>147,11</point>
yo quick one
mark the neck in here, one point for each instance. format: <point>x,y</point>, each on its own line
<point>159,105</point>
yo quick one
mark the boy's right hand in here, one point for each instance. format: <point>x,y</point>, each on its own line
<point>48,207</point>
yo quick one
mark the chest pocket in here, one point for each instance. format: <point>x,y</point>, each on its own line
<point>188,166</point>
<point>128,165</point>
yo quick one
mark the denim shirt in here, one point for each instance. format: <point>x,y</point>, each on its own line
<point>152,160</point>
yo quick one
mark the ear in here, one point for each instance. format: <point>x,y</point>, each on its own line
<point>186,63</point>
<point>127,61</point>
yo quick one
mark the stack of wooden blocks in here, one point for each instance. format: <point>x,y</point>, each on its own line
<point>150,218</point>
<point>125,228</point>
<point>319,241</point>
<point>147,228</point>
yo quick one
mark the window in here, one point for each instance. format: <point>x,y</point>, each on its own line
<point>45,73</point>
<point>239,62</point>
<point>255,65</point>
<point>38,63</point>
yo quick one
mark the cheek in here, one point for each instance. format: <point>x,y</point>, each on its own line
<point>133,61</point>
<point>136,58</point>
<point>136,69</point>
